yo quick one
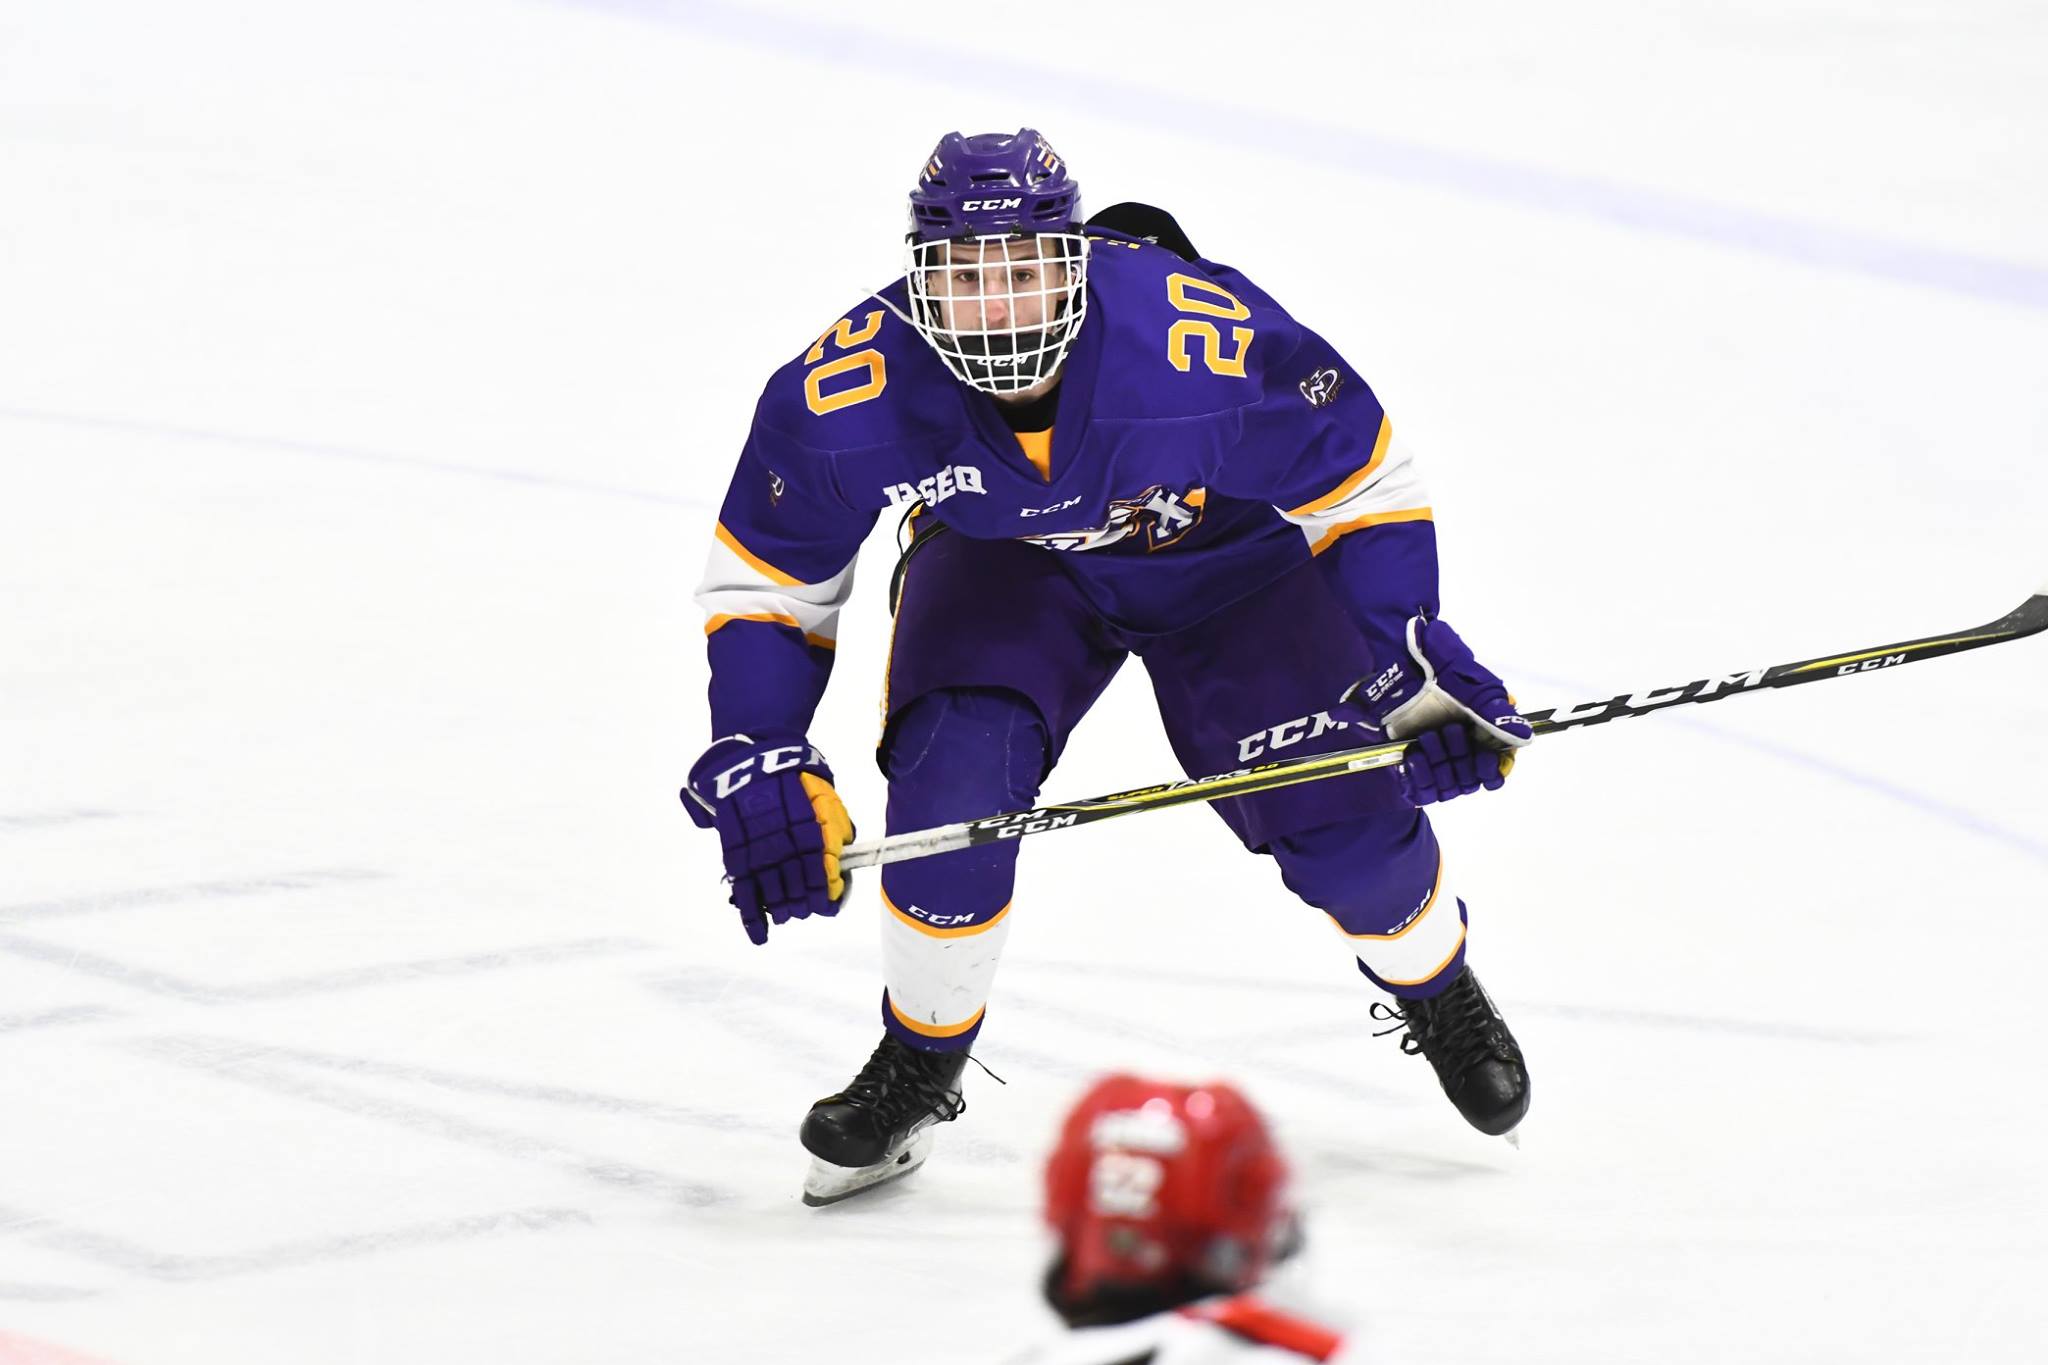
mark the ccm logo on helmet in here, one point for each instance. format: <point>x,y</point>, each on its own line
<point>973,205</point>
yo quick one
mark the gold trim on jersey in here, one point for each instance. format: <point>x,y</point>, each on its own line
<point>754,561</point>
<point>1351,484</point>
<point>1331,536</point>
<point>773,618</point>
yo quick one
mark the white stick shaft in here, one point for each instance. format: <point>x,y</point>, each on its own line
<point>897,848</point>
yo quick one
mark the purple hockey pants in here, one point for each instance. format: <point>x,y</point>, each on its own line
<point>997,657</point>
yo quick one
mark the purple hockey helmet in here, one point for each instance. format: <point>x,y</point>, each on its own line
<point>993,183</point>
<point>998,265</point>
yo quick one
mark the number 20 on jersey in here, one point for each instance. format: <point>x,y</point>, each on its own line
<point>1206,300</point>
<point>1187,337</point>
<point>874,371</point>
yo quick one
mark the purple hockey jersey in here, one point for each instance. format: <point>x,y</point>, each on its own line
<point>1205,444</point>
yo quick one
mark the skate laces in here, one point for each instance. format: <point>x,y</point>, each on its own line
<point>1457,1027</point>
<point>875,1077</point>
<point>1468,1020</point>
<point>1410,1044</point>
<point>900,1081</point>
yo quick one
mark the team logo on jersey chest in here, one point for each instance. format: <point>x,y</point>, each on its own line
<point>959,478</point>
<point>1158,514</point>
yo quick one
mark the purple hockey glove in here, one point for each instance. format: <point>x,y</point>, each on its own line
<point>1459,714</point>
<point>771,800</point>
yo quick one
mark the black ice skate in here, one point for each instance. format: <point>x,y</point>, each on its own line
<point>1476,1058</point>
<point>879,1127</point>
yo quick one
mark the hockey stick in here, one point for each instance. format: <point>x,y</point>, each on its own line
<point>2029,618</point>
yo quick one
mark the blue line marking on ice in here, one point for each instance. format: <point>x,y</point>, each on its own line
<point>1636,208</point>
<point>1948,813</point>
<point>328,451</point>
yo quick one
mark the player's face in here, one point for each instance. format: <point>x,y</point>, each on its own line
<point>996,285</point>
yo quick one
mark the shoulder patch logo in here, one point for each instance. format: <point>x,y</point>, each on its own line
<point>1320,387</point>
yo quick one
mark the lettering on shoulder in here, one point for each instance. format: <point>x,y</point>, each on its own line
<point>959,478</point>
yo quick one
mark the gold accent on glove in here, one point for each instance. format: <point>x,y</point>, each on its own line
<point>837,825</point>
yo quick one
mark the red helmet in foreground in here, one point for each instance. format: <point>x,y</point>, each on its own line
<point>1163,1193</point>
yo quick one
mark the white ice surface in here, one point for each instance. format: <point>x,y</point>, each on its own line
<point>369,375</point>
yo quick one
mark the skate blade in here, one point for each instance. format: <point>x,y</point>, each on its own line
<point>828,1184</point>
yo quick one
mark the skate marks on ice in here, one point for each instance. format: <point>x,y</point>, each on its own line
<point>51,819</point>
<point>1349,1160</point>
<point>263,1068</point>
<point>328,450</point>
<point>1169,1030</point>
<point>755,1011</point>
<point>1226,1052</point>
<point>160,983</point>
<point>1208,1051</point>
<point>302,1076</point>
<point>177,893</point>
<point>463,964</point>
<point>60,1017</point>
<point>13,1291</point>
<point>1767,1030</point>
<point>135,1259</point>
<point>755,1006</point>
<point>752,1008</point>
<point>552,1096</point>
<point>296,1079</point>
<point>1778,1030</point>
<point>1341,1087</point>
<point>1721,732</point>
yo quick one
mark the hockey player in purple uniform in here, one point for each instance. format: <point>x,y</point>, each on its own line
<point>1108,446</point>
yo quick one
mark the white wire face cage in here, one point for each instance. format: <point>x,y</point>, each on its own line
<point>1001,311</point>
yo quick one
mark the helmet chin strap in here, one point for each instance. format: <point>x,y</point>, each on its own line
<point>983,356</point>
